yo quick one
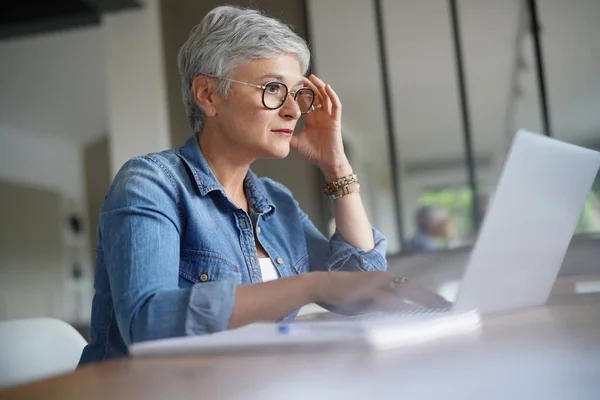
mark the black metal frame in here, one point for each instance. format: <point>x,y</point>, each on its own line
<point>464,106</point>
<point>389,120</point>
<point>325,206</point>
<point>284,98</point>
<point>539,64</point>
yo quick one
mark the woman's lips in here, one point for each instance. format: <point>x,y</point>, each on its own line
<point>286,132</point>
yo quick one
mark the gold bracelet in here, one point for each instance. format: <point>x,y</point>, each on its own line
<point>353,187</point>
<point>333,187</point>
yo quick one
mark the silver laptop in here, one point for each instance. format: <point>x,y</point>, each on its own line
<point>529,224</point>
<point>527,229</point>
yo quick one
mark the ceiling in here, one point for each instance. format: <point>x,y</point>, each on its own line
<point>23,18</point>
<point>54,85</point>
<point>52,69</point>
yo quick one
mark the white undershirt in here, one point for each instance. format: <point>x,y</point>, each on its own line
<point>268,270</point>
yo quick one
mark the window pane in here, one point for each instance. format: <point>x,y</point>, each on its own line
<point>430,146</point>
<point>572,60</point>
<point>501,83</point>
<point>346,56</point>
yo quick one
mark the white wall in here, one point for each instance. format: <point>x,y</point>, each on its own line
<point>31,254</point>
<point>54,164</point>
<point>41,161</point>
<point>137,100</point>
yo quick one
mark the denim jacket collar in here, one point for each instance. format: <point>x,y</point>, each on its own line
<point>206,181</point>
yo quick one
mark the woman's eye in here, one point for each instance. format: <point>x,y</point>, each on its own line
<point>273,89</point>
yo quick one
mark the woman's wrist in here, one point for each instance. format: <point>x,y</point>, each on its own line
<point>339,170</point>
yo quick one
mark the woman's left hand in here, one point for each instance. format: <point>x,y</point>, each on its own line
<point>321,139</point>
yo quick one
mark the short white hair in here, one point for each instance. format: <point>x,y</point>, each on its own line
<point>227,38</point>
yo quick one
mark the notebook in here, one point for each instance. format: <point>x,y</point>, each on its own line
<point>381,334</point>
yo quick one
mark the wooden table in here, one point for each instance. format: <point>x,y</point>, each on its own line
<point>550,352</point>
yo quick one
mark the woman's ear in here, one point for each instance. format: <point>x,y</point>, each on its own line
<point>204,89</point>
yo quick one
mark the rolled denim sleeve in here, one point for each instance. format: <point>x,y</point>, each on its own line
<point>336,254</point>
<point>139,232</point>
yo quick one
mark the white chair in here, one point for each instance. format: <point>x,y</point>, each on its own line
<point>37,348</point>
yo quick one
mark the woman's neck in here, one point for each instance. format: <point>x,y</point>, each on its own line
<point>226,166</point>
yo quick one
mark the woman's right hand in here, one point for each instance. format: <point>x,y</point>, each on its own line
<point>355,292</point>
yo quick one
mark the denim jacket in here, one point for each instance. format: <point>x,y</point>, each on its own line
<point>172,248</point>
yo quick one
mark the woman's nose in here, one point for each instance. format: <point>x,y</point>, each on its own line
<point>290,108</point>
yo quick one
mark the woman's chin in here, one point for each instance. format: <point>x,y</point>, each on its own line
<point>278,150</point>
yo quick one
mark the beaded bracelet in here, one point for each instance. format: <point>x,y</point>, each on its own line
<point>342,186</point>
<point>344,190</point>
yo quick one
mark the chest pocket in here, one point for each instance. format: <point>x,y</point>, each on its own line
<point>301,266</point>
<point>204,266</point>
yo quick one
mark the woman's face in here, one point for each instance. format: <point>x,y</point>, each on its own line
<point>247,124</point>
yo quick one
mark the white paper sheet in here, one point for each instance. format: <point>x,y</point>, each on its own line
<point>380,334</point>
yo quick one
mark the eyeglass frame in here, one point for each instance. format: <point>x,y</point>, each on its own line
<point>288,92</point>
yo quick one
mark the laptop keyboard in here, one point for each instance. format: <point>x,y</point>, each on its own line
<point>391,315</point>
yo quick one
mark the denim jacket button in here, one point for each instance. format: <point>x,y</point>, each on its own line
<point>203,277</point>
<point>258,230</point>
<point>280,260</point>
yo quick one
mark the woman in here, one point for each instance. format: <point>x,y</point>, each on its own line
<point>188,238</point>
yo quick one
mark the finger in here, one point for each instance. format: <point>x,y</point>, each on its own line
<point>294,142</point>
<point>308,83</point>
<point>417,294</point>
<point>325,100</point>
<point>318,99</point>
<point>422,296</point>
<point>386,301</point>
<point>336,104</point>
<point>435,299</point>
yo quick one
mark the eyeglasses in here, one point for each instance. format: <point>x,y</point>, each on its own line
<point>275,93</point>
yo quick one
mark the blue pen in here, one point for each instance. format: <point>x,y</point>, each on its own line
<point>284,328</point>
<point>287,329</point>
